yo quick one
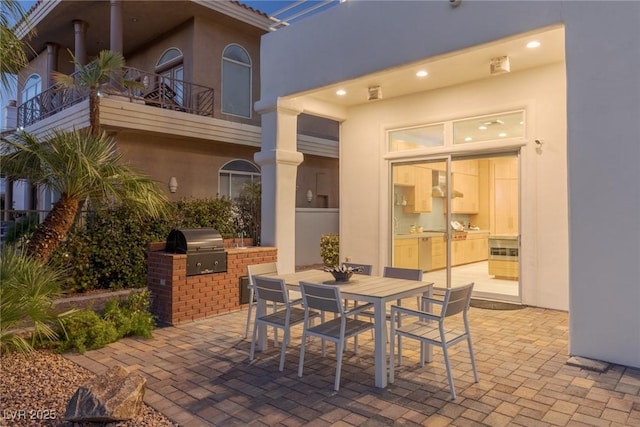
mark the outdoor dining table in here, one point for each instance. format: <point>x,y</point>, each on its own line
<point>362,288</point>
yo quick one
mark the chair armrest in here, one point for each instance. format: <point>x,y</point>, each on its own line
<point>433,300</point>
<point>295,302</point>
<point>358,309</point>
<point>396,309</point>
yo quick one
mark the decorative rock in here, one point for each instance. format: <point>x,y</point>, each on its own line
<point>115,395</point>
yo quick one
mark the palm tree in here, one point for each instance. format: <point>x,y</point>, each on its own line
<point>79,165</point>
<point>106,70</point>
<point>13,57</point>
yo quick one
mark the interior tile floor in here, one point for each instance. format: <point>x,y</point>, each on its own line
<point>484,285</point>
<point>199,375</point>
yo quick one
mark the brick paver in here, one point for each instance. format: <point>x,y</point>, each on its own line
<point>199,374</point>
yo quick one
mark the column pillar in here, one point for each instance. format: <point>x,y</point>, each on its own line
<point>279,160</point>
<point>8,199</point>
<point>80,41</point>
<point>52,62</point>
<point>115,40</point>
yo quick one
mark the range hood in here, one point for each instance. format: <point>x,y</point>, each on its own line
<point>440,186</point>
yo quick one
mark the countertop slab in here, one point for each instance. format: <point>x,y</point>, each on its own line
<point>433,234</point>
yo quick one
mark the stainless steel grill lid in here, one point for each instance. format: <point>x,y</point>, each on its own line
<point>193,240</point>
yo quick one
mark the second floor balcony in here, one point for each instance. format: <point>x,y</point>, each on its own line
<point>151,89</point>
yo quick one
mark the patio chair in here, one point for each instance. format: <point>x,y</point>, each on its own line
<point>275,291</point>
<point>338,330</point>
<point>256,269</point>
<point>398,273</point>
<point>253,270</point>
<point>429,327</point>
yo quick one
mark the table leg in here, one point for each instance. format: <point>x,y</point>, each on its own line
<point>380,328</point>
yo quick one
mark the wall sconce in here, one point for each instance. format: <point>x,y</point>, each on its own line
<point>309,196</point>
<point>173,184</point>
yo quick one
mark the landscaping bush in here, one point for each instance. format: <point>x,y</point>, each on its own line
<point>110,251</point>
<point>88,330</point>
<point>247,212</point>
<point>215,213</point>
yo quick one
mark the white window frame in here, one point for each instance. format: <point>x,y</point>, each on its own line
<point>249,65</point>
<point>233,172</point>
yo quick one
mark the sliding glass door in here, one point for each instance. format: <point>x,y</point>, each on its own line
<point>457,219</point>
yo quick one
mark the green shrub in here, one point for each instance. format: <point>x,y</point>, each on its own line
<point>131,317</point>
<point>330,249</point>
<point>109,251</point>
<point>88,330</point>
<point>247,212</point>
<point>216,213</point>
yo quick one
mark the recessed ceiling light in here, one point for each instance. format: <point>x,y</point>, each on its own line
<point>422,73</point>
<point>341,92</point>
<point>468,139</point>
<point>502,134</point>
<point>483,127</point>
<point>533,44</point>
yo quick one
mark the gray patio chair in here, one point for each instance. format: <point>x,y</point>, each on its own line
<point>275,291</point>
<point>428,327</point>
<point>398,273</point>
<point>338,330</point>
<point>253,270</point>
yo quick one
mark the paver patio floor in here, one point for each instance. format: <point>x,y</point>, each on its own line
<point>199,375</point>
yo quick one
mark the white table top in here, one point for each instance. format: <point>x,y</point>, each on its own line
<point>360,287</point>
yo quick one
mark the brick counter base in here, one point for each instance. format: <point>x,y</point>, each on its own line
<point>178,298</point>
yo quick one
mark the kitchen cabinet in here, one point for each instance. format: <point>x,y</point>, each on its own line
<point>468,186</point>
<point>504,198</point>
<point>415,182</point>
<point>423,201</point>
<point>438,253</point>
<point>473,249</point>
<point>405,253</point>
<point>467,167</point>
<point>404,175</point>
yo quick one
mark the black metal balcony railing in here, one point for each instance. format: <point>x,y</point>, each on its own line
<point>151,89</point>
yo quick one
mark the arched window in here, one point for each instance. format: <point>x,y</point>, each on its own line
<point>170,67</point>
<point>236,81</point>
<point>235,175</point>
<point>31,88</point>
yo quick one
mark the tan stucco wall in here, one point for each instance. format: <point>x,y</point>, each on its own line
<point>196,165</point>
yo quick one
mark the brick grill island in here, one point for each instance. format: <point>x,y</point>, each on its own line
<point>178,298</point>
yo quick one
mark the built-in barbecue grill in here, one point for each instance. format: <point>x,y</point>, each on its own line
<point>204,248</point>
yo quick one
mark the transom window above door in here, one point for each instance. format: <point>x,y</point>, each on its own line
<point>477,129</point>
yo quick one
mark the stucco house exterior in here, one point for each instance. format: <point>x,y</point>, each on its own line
<point>575,143</point>
<point>190,123</point>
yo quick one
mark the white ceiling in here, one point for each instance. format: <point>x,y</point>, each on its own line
<point>451,69</point>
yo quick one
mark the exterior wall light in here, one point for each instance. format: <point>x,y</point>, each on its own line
<point>173,184</point>
<point>309,196</point>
